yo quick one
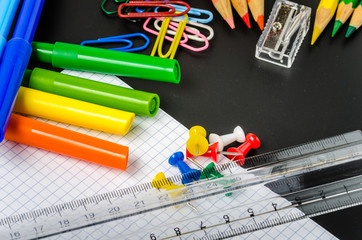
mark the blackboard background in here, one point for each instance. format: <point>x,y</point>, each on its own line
<point>225,86</point>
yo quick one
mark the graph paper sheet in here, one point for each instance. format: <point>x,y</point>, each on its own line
<point>32,178</point>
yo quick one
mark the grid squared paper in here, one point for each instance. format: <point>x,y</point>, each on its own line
<point>32,178</point>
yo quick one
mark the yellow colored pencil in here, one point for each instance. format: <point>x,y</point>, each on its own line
<point>224,8</point>
<point>242,8</point>
<point>344,11</point>
<point>356,20</point>
<point>257,10</point>
<point>324,14</point>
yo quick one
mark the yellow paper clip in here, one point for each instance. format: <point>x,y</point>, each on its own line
<point>161,35</point>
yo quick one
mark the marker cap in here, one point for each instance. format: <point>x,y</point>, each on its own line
<point>83,58</point>
<point>60,140</point>
<point>126,99</point>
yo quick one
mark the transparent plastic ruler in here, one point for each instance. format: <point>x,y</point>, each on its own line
<point>269,190</point>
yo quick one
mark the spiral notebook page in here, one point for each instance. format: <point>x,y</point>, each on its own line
<point>32,178</point>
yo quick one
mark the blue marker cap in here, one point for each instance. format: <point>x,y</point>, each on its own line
<point>16,58</point>
<point>7,13</point>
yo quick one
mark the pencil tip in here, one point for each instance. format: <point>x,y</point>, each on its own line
<point>336,27</point>
<point>350,30</point>
<point>260,22</point>
<point>315,35</point>
<point>230,21</point>
<point>246,19</point>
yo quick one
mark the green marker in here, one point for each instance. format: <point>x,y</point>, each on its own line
<point>91,59</point>
<point>130,100</point>
<point>344,11</point>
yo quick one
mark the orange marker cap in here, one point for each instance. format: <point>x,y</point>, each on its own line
<point>60,140</point>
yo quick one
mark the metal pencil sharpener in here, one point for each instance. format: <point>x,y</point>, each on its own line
<point>284,32</point>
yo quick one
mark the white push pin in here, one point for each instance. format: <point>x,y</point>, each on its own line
<point>224,140</point>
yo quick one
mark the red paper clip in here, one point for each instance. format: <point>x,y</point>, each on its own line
<point>162,4</point>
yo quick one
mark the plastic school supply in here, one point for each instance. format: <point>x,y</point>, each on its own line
<point>175,43</point>
<point>284,32</point>
<point>126,38</point>
<point>126,99</point>
<point>193,13</point>
<point>7,13</point>
<point>60,140</point>
<point>76,57</point>
<point>16,57</point>
<point>72,111</point>
<point>197,143</point>
<point>303,181</point>
<point>163,4</point>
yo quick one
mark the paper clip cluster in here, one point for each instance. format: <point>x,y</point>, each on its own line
<point>174,21</point>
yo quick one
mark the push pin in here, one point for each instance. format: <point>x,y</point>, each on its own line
<point>251,142</point>
<point>188,174</point>
<point>197,143</point>
<point>208,172</point>
<point>211,152</point>
<point>160,181</point>
<point>224,140</point>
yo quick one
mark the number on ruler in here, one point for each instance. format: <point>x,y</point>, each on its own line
<point>139,204</point>
<point>202,226</point>
<point>113,210</point>
<point>251,212</point>
<point>177,231</point>
<point>227,219</point>
<point>89,216</point>
<point>39,229</point>
<point>153,237</point>
<point>15,235</point>
<point>64,223</point>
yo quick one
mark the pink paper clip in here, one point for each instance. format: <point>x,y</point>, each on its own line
<point>163,4</point>
<point>154,32</point>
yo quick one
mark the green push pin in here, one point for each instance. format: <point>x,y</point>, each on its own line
<point>209,172</point>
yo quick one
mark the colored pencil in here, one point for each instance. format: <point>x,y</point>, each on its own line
<point>257,10</point>
<point>224,8</point>
<point>325,12</point>
<point>242,8</point>
<point>344,11</point>
<point>356,20</point>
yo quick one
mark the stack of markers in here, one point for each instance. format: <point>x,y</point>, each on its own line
<point>68,99</point>
<point>198,145</point>
<point>346,8</point>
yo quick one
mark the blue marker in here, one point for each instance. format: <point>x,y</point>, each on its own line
<point>7,13</point>
<point>16,58</point>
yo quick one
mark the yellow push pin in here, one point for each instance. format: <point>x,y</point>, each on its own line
<point>197,143</point>
<point>160,181</point>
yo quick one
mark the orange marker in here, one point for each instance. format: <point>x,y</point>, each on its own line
<point>60,140</point>
<point>257,10</point>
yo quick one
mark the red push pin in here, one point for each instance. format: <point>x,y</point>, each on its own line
<point>251,142</point>
<point>212,152</point>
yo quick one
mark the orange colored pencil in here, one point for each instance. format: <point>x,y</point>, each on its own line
<point>257,10</point>
<point>60,140</point>
<point>242,8</point>
<point>224,8</point>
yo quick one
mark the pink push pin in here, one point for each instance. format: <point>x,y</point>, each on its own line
<point>224,140</point>
<point>251,142</point>
<point>212,152</point>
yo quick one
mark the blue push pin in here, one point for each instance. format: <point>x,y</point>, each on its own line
<point>188,174</point>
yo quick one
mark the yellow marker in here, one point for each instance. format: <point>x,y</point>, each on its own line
<point>197,144</point>
<point>71,111</point>
<point>160,181</point>
<point>324,14</point>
